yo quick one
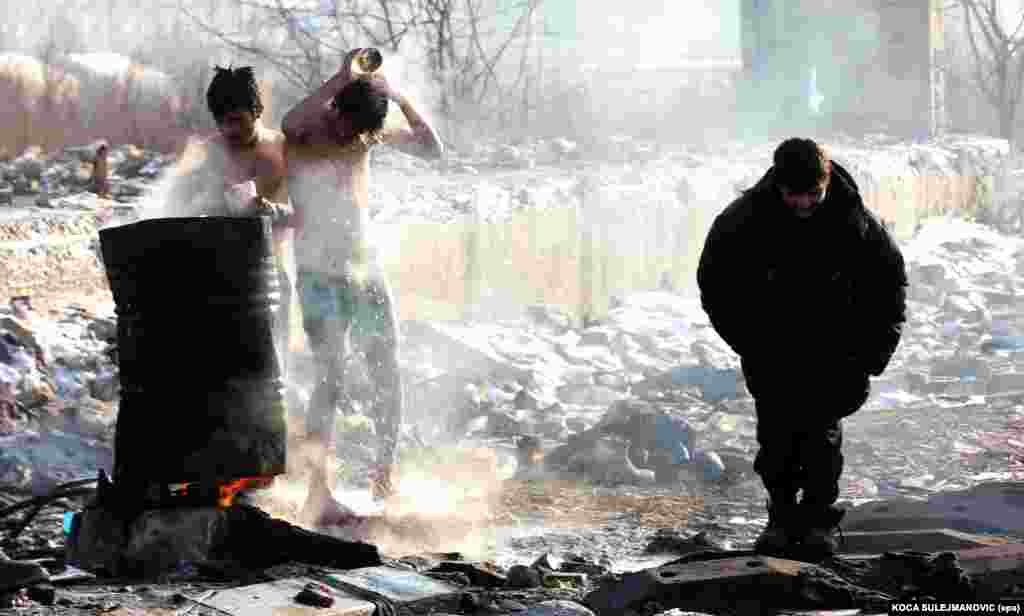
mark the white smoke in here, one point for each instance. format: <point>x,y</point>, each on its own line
<point>189,188</point>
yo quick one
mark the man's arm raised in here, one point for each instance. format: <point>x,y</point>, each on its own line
<point>308,116</point>
<point>419,138</point>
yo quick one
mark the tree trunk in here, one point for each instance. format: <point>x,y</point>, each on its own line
<point>442,64</point>
<point>1006,123</point>
<point>110,23</point>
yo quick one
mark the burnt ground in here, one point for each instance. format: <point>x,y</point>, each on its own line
<point>602,525</point>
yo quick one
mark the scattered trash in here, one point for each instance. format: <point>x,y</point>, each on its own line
<point>946,415</point>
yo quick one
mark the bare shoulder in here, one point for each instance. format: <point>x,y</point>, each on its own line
<point>268,157</point>
<point>272,136</point>
<point>321,151</point>
<point>211,142</point>
<point>200,152</point>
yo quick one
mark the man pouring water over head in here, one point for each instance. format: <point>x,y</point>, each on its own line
<point>329,136</point>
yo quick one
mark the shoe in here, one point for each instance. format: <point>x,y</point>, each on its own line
<point>779,537</point>
<point>15,575</point>
<point>820,541</point>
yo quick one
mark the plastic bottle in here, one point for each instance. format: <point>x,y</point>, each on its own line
<point>69,521</point>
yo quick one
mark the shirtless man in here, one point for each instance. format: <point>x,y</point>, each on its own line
<point>329,136</point>
<point>244,150</point>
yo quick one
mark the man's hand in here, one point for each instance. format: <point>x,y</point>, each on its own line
<point>262,206</point>
<point>419,138</point>
<point>309,116</point>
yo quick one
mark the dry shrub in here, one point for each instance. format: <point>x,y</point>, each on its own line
<point>45,105</point>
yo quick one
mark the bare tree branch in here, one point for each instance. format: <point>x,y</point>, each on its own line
<point>282,63</point>
<point>465,45</point>
<point>980,74</point>
<point>998,65</point>
<point>478,46</point>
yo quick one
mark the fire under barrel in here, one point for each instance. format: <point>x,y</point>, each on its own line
<point>201,389</point>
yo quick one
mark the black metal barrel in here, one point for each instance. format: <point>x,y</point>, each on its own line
<point>201,389</point>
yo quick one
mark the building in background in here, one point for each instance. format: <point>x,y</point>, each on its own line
<point>855,65</point>
<point>637,67</point>
<point>761,66</point>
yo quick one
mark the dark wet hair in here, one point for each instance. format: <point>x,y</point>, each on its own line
<point>801,165</point>
<point>365,106</point>
<point>233,89</point>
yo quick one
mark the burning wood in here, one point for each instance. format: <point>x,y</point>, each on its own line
<point>151,541</point>
<point>229,491</point>
<point>226,493</point>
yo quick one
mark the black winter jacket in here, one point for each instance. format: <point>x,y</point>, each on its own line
<point>822,298</point>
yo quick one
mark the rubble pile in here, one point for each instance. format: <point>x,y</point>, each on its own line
<point>964,154</point>
<point>60,181</point>
<point>955,382</point>
<point>491,179</point>
<point>958,369</point>
<point>961,353</point>
<point>481,186</point>
<point>39,227</point>
<point>58,398</point>
<point>48,245</point>
<point>47,250</point>
<point>946,415</point>
<point>560,401</point>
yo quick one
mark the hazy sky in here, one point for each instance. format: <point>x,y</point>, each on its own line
<point>648,29</point>
<point>1011,12</point>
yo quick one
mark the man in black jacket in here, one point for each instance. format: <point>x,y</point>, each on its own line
<point>810,290</point>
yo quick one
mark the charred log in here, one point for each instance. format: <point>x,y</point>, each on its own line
<point>259,540</point>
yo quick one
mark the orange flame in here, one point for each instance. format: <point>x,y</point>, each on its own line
<point>228,491</point>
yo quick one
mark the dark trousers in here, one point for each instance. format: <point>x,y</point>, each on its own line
<point>796,454</point>
<point>801,442</point>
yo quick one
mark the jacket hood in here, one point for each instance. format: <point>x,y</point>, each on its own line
<point>842,189</point>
